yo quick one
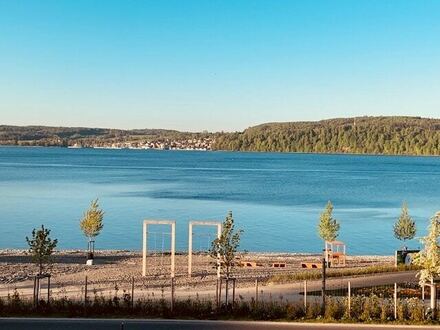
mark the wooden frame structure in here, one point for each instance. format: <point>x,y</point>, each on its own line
<point>146,223</point>
<point>335,254</point>
<point>190,234</point>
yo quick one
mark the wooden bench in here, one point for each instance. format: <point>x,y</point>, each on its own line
<point>311,265</point>
<point>250,264</point>
<point>278,265</point>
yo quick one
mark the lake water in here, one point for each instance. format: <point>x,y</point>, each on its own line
<point>275,198</point>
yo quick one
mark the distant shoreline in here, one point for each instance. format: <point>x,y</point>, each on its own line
<point>231,151</point>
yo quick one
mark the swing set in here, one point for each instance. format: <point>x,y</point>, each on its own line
<point>172,236</point>
<point>163,237</point>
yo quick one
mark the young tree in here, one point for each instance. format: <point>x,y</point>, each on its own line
<point>41,247</point>
<point>429,258</point>
<point>328,227</point>
<point>405,227</point>
<point>224,248</point>
<point>92,222</point>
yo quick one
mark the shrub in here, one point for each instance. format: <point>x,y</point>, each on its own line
<point>402,310</point>
<point>294,311</point>
<point>356,307</point>
<point>386,310</point>
<point>334,309</point>
<point>416,310</point>
<point>313,311</point>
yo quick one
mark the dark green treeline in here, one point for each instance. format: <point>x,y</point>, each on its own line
<point>372,135</point>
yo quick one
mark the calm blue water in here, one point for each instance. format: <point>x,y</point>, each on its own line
<point>275,198</point>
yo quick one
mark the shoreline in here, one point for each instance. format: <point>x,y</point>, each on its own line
<point>232,151</point>
<point>183,253</point>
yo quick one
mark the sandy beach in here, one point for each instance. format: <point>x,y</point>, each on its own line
<point>115,271</point>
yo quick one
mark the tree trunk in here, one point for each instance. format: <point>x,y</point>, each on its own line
<point>226,291</point>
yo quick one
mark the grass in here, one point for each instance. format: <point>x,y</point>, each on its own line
<point>316,274</point>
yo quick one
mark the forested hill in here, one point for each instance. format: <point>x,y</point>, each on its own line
<point>372,135</point>
<point>64,136</point>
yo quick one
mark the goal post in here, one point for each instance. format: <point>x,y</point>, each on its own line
<point>191,224</point>
<point>146,223</point>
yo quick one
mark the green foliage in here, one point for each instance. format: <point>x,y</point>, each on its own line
<point>370,135</point>
<point>41,247</point>
<point>405,227</point>
<point>92,222</point>
<point>429,258</point>
<point>328,227</point>
<point>224,249</point>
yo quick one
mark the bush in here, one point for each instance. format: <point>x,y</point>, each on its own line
<point>416,310</point>
<point>371,309</point>
<point>295,311</point>
<point>386,310</point>
<point>334,309</point>
<point>402,310</point>
<point>313,311</point>
<point>356,307</point>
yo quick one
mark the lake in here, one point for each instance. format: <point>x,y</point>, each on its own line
<point>275,198</point>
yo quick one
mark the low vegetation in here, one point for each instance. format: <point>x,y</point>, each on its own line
<point>316,274</point>
<point>363,309</point>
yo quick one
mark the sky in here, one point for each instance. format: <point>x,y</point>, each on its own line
<point>216,65</point>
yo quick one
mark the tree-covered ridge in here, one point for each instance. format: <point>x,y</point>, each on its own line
<point>65,136</point>
<point>372,135</point>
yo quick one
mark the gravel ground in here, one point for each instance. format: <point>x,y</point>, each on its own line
<point>116,269</point>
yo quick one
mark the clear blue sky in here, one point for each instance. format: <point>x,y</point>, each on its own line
<point>216,65</point>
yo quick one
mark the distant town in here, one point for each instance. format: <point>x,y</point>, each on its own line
<point>201,144</point>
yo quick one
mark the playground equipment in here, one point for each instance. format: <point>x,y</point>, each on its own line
<point>190,241</point>
<point>147,223</point>
<point>335,253</point>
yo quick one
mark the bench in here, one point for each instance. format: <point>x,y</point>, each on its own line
<point>311,265</point>
<point>278,265</point>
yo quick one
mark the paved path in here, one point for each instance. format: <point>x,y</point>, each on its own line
<point>291,291</point>
<point>119,324</point>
